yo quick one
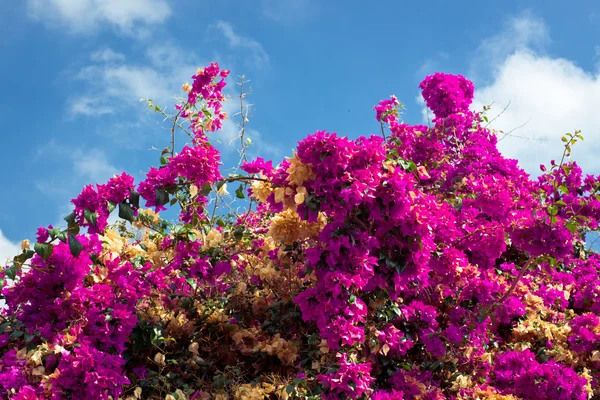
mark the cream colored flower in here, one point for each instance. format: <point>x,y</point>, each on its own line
<point>193,348</point>
<point>223,189</point>
<point>300,196</point>
<point>193,190</point>
<point>261,190</point>
<point>159,358</point>
<point>298,172</point>
<point>212,239</point>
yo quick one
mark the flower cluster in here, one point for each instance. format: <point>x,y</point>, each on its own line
<point>420,264</point>
<point>92,205</point>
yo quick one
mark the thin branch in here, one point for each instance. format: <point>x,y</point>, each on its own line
<point>497,116</point>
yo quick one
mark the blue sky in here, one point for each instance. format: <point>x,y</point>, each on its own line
<point>72,73</point>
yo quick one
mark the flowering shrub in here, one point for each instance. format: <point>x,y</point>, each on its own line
<point>418,265</point>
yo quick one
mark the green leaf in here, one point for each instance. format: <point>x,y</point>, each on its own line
<point>75,246</point>
<point>134,199</point>
<point>239,192</point>
<point>21,258</point>
<point>91,217</point>
<point>290,389</point>
<point>44,250</point>
<point>17,334</point>
<point>191,282</point>
<point>572,227</point>
<point>125,211</point>
<point>459,204</point>
<point>162,197</point>
<point>407,165</point>
<point>11,272</point>
<point>111,207</point>
<point>398,266</point>
<point>70,219</point>
<point>564,189</point>
<point>62,236</point>
<point>206,189</point>
<point>406,366</point>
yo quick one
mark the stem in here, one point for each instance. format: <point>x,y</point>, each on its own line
<point>512,288</point>
<point>243,124</point>
<point>173,134</point>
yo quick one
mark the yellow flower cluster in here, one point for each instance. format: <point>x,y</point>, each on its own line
<point>298,172</point>
<point>212,239</point>
<point>261,189</point>
<point>251,341</point>
<point>116,245</point>
<point>265,391</point>
<point>287,227</point>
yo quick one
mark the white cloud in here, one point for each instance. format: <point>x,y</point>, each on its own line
<point>112,83</point>
<point>432,64</point>
<point>525,32</point>
<point>548,97</point>
<point>551,96</point>
<point>85,16</point>
<point>258,56</point>
<point>107,55</point>
<point>93,166</point>
<point>289,11</point>
<point>82,167</point>
<point>117,87</point>
<point>90,106</point>
<point>8,249</point>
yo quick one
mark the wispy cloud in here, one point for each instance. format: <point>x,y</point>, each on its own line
<point>432,64</point>
<point>111,83</point>
<point>82,166</point>
<point>257,56</point>
<point>130,17</point>
<point>89,106</point>
<point>289,11</point>
<point>548,97</point>
<point>107,55</point>
<point>524,32</point>
<point>114,85</point>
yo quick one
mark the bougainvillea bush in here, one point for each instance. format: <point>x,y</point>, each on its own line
<point>418,263</point>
